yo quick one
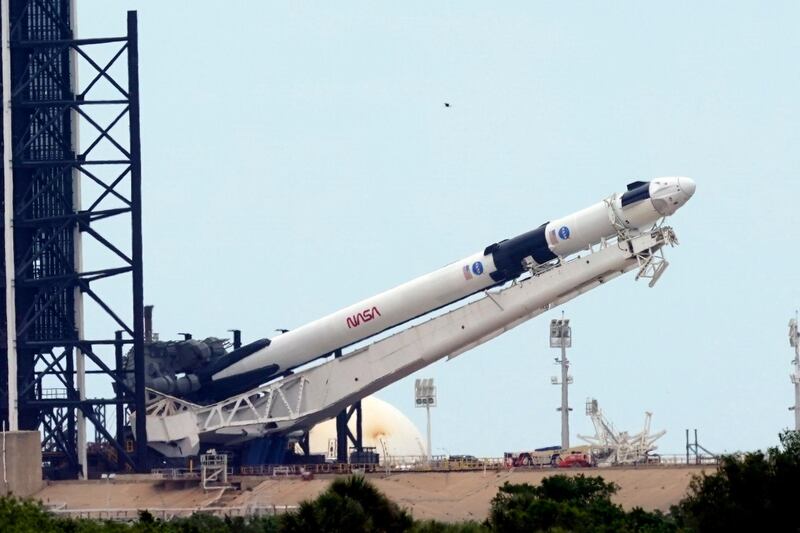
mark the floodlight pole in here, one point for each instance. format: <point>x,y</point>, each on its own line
<point>425,396</point>
<point>561,337</point>
<point>794,342</point>
<point>564,397</point>
<point>428,412</point>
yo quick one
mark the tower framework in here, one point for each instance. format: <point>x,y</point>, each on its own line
<point>71,181</point>
<point>794,342</point>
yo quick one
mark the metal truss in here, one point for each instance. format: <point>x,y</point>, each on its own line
<point>214,471</point>
<point>64,191</point>
<point>279,402</point>
<point>612,447</point>
<point>296,403</point>
<point>652,264</point>
<point>344,436</point>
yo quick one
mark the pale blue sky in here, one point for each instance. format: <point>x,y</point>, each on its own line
<point>298,157</point>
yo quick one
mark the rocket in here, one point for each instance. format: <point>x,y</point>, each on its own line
<point>639,208</point>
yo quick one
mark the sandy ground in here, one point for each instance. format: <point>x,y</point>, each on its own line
<point>122,495</point>
<point>466,495</point>
<point>451,496</point>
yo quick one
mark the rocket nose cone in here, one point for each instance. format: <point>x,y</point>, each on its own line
<point>670,194</point>
<point>688,186</point>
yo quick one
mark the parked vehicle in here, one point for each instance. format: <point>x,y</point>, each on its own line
<point>575,460</point>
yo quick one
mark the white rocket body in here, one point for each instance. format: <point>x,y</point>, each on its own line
<point>588,226</point>
<point>639,208</point>
<point>369,317</point>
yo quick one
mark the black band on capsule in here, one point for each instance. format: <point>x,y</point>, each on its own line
<point>637,191</point>
<point>508,254</point>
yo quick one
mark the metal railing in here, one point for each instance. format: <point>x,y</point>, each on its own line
<point>178,474</point>
<point>681,460</point>
<point>390,465</point>
<point>299,470</point>
<point>398,464</point>
<point>130,515</point>
<point>444,464</point>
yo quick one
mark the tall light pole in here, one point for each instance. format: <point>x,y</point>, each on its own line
<point>794,342</point>
<point>425,396</point>
<point>561,337</point>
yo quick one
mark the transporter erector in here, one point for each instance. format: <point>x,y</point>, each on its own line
<point>258,389</point>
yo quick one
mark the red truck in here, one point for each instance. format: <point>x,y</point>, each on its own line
<point>575,460</point>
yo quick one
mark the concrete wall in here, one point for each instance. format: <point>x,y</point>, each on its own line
<point>20,463</point>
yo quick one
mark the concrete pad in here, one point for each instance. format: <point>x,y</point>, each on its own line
<point>20,463</point>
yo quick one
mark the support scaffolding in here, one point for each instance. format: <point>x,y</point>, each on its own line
<point>345,437</point>
<point>214,470</point>
<point>62,194</point>
<point>612,447</point>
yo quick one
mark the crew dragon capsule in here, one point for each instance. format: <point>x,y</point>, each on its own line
<point>639,208</point>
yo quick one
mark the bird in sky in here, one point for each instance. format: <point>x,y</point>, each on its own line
<point>281,330</point>
<point>447,104</point>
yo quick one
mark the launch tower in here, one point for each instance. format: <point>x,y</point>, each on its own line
<point>71,178</point>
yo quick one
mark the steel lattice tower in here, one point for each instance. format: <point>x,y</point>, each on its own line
<point>49,217</point>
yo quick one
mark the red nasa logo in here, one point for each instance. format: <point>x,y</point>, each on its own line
<point>364,316</point>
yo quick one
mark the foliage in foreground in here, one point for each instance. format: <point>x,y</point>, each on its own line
<point>24,516</point>
<point>564,503</point>
<point>350,504</point>
<point>752,492</point>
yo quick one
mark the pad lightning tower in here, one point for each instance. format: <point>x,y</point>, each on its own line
<point>63,193</point>
<point>425,396</point>
<point>561,337</point>
<point>794,342</point>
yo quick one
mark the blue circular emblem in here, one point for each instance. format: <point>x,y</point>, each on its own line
<point>563,233</point>
<point>477,268</point>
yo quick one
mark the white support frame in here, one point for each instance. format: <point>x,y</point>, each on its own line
<point>80,358</point>
<point>794,342</point>
<point>300,401</point>
<point>611,447</point>
<point>8,220</point>
<point>214,471</point>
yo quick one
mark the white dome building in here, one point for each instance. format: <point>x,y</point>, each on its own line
<point>383,426</point>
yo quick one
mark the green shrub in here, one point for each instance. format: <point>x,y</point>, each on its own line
<point>349,504</point>
<point>751,492</point>
<point>568,503</point>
